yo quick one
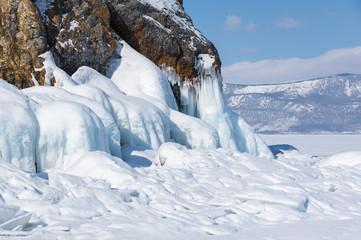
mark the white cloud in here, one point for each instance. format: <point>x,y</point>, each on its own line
<point>288,23</point>
<point>250,26</point>
<point>346,60</point>
<point>233,22</point>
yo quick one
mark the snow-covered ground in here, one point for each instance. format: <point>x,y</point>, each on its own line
<point>179,193</point>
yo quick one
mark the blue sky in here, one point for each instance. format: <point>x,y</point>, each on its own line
<point>253,36</point>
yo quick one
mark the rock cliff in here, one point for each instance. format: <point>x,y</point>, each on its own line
<point>82,33</point>
<point>79,34</point>
<point>166,27</point>
<point>22,39</point>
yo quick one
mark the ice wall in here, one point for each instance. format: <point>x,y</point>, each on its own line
<point>18,127</point>
<point>202,97</point>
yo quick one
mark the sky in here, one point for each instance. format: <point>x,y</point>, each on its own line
<point>263,41</point>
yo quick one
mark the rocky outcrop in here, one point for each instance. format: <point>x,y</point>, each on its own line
<point>83,33</point>
<point>163,32</point>
<point>22,39</point>
<point>79,34</point>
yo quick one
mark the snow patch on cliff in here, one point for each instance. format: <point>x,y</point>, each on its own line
<point>138,76</point>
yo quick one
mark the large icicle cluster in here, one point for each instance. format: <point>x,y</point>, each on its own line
<point>202,97</point>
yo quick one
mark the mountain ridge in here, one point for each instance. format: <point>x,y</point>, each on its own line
<point>329,104</point>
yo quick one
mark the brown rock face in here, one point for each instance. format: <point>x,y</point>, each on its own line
<point>22,39</point>
<point>83,33</point>
<point>166,36</point>
<point>79,34</point>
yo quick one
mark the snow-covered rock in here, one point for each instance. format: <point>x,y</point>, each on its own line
<point>137,76</point>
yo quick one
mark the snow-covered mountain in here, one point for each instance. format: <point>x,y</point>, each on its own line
<point>323,105</point>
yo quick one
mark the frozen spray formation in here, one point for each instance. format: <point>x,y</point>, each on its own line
<point>135,98</point>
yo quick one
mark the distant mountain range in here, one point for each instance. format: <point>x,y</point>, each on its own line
<point>324,105</point>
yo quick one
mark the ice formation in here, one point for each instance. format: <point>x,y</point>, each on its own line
<point>192,132</point>
<point>18,127</point>
<point>138,76</point>
<point>141,112</point>
<point>68,130</point>
<point>101,107</point>
<point>203,99</point>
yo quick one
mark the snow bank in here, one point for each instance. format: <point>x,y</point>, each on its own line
<point>137,76</point>
<point>68,130</point>
<point>185,194</point>
<point>171,155</point>
<point>18,127</point>
<point>192,132</point>
<point>102,166</point>
<point>89,76</point>
<point>343,159</point>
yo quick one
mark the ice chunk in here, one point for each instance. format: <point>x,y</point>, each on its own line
<point>108,120</point>
<point>296,201</point>
<point>67,131</point>
<point>93,98</point>
<point>140,122</point>
<point>248,140</point>
<point>137,76</point>
<point>192,132</point>
<point>7,212</point>
<point>17,221</point>
<point>18,127</point>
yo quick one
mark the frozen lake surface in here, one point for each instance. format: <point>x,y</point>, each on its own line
<point>319,145</point>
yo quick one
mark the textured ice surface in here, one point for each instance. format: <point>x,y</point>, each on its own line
<point>186,194</point>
